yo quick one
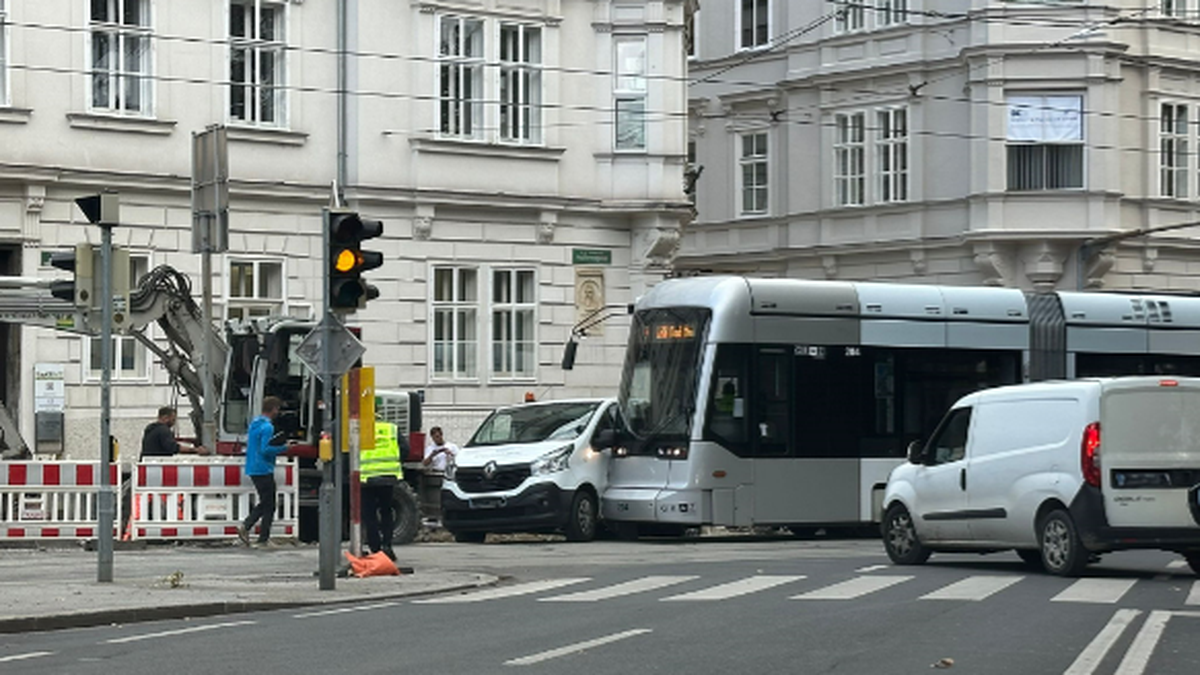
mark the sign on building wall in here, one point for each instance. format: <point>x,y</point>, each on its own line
<point>589,296</point>
<point>49,386</point>
<point>590,256</point>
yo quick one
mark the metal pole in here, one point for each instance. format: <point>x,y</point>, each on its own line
<point>209,425</point>
<point>330,539</point>
<point>342,110</point>
<point>104,501</point>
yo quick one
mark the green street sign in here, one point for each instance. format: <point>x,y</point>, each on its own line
<point>590,256</point>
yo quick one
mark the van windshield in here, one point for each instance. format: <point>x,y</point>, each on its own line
<point>535,423</point>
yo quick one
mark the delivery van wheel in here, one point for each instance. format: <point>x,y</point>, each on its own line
<point>581,524</point>
<point>1062,552</point>
<point>900,538</point>
<point>1193,561</point>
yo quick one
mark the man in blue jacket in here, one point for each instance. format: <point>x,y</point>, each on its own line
<point>261,451</point>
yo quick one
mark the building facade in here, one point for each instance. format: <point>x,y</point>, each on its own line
<point>1014,143</point>
<point>525,156</point>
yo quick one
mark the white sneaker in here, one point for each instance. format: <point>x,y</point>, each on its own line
<point>243,534</point>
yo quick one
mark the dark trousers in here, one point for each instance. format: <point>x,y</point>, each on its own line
<point>265,508</point>
<point>378,519</point>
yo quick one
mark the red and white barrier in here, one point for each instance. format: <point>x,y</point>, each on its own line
<point>53,500</point>
<point>205,498</point>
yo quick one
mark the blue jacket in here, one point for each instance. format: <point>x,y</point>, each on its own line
<point>260,454</point>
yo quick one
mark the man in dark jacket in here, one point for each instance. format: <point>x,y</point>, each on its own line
<point>158,440</point>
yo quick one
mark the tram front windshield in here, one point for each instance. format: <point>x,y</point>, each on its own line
<point>658,385</point>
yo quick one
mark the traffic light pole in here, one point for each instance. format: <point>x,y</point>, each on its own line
<point>105,501</point>
<point>328,532</point>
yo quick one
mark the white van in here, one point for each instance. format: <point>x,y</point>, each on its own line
<point>538,467</point>
<point>1059,471</point>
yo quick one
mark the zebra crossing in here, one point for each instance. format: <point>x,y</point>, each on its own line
<point>666,588</point>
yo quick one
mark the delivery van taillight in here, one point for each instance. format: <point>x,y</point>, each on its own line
<point>1089,455</point>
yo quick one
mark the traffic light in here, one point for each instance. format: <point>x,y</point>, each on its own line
<point>78,262</point>
<point>348,260</point>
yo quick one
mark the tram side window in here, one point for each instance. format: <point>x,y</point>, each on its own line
<point>728,417</point>
<point>773,402</point>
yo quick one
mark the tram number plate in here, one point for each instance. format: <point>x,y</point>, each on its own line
<point>488,503</point>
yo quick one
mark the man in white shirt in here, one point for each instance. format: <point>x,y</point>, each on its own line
<point>438,453</point>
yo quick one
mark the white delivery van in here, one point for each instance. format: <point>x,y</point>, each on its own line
<point>1059,471</point>
<point>537,467</point>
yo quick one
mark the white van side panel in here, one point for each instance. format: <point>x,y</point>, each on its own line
<point>1022,452</point>
<point>1146,434</point>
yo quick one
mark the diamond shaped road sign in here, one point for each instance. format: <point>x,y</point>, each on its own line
<point>345,348</point>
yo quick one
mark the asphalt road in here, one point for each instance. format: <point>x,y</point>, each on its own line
<point>741,606</point>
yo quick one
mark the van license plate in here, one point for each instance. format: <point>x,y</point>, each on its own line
<point>487,503</point>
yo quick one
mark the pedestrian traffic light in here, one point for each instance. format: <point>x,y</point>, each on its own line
<point>347,260</point>
<point>78,262</point>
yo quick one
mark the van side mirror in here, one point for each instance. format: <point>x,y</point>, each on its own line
<point>604,439</point>
<point>916,452</point>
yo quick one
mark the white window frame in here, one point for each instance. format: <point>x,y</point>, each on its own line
<point>850,158</point>
<point>139,265</point>
<point>4,94</point>
<point>252,84</point>
<point>1045,121</point>
<point>462,349</point>
<point>461,115</point>
<point>752,160</point>
<point>755,9</point>
<point>1174,154</point>
<point>115,71</point>
<point>891,13</point>
<point>520,85</point>
<point>891,155</point>
<point>851,16</point>
<point>505,312</point>
<point>257,303</point>
<point>1177,9</point>
<point>629,95</point>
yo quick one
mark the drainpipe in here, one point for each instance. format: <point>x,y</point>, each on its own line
<point>342,96</point>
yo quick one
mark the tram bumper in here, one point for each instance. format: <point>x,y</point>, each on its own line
<point>656,505</point>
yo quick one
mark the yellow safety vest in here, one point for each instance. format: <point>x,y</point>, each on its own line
<point>384,458</point>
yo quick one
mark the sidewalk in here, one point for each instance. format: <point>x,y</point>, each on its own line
<point>55,587</point>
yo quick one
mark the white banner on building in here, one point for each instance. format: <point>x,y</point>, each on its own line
<point>1045,118</point>
<point>49,386</point>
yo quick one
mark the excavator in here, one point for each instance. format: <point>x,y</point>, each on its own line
<point>260,359</point>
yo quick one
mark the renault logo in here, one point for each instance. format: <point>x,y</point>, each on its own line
<point>489,470</point>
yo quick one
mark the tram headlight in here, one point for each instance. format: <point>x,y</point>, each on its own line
<point>552,462</point>
<point>679,452</point>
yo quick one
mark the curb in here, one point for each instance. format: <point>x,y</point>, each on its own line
<point>207,609</point>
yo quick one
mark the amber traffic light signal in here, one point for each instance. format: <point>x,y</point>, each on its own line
<point>348,260</point>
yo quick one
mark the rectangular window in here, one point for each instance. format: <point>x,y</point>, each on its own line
<point>1175,8</point>
<point>891,12</point>
<point>520,83</point>
<point>257,53</point>
<point>849,151</point>
<point>1173,150</point>
<point>891,154</point>
<point>851,15</point>
<point>119,36</point>
<point>129,357</point>
<point>455,322</point>
<point>255,289</point>
<point>752,162</point>
<point>460,76</point>
<point>629,102</point>
<point>514,304</point>
<point>755,21</point>
<point>1045,142</point>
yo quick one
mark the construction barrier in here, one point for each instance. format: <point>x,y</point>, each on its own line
<point>53,500</point>
<point>204,498</point>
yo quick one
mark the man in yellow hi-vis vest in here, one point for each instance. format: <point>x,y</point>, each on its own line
<point>380,471</point>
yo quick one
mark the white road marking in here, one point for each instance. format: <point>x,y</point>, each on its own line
<point>1177,564</point>
<point>1138,656</point>
<point>575,648</point>
<point>872,568</point>
<point>854,588</point>
<point>1091,656</point>
<point>1103,591</point>
<point>1194,597</point>
<point>181,631</point>
<point>627,588</point>
<point>345,610</point>
<point>972,588</point>
<point>22,657</point>
<point>736,588</point>
<point>504,591</point>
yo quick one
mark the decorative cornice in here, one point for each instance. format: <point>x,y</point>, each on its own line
<point>121,123</point>
<point>481,149</point>
<point>10,115</point>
